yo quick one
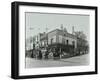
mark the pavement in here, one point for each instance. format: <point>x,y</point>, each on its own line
<point>73,61</point>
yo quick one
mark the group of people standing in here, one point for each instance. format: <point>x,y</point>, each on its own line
<point>46,53</point>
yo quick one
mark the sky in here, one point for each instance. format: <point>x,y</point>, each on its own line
<point>38,22</point>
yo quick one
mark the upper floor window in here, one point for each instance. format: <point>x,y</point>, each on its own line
<point>63,40</point>
<point>51,40</point>
<point>73,43</point>
<point>64,34</point>
<point>67,42</point>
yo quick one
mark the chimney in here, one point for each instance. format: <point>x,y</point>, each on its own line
<point>61,26</point>
<point>43,32</point>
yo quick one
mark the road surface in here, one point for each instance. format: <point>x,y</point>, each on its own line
<point>73,61</point>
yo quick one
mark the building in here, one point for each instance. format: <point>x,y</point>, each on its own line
<point>58,36</point>
<point>58,39</point>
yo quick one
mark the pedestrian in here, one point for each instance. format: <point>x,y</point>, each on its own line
<point>46,54</point>
<point>40,54</point>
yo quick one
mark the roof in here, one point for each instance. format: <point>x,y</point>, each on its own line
<point>62,32</point>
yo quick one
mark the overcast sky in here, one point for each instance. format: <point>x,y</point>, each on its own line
<point>38,22</point>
